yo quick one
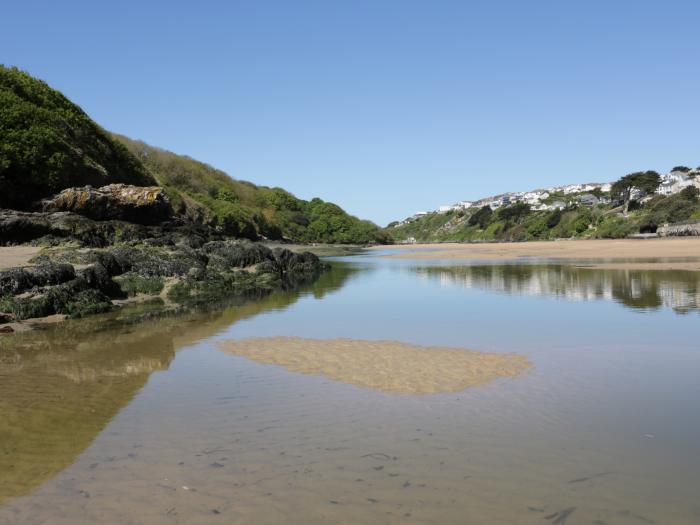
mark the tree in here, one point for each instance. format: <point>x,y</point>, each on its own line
<point>690,193</point>
<point>516,212</point>
<point>554,218</point>
<point>482,217</point>
<point>645,181</point>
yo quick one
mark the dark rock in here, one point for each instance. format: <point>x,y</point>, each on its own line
<point>18,227</point>
<point>287,263</point>
<point>99,278</point>
<point>17,280</point>
<point>138,204</point>
<point>6,329</point>
<point>236,254</point>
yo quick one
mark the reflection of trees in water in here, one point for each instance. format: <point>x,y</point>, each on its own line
<point>60,387</point>
<point>642,289</point>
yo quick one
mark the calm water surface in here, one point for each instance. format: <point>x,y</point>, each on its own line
<point>108,421</point>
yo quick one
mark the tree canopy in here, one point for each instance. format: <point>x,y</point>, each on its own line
<point>645,181</point>
<point>47,143</point>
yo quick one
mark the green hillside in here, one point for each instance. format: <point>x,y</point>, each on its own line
<point>242,209</point>
<point>518,222</point>
<point>47,143</point>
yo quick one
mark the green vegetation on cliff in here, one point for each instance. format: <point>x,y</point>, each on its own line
<point>242,209</point>
<point>517,222</point>
<point>47,143</point>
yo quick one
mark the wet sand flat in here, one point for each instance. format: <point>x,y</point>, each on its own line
<point>620,249</point>
<point>11,256</point>
<point>387,366</point>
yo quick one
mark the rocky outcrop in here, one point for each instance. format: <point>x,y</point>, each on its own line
<point>686,229</point>
<point>77,282</point>
<point>50,228</point>
<point>137,204</point>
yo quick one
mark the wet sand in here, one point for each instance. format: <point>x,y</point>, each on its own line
<point>387,366</point>
<point>11,256</point>
<point>620,251</point>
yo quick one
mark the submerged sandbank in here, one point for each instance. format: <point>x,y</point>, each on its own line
<point>670,253</point>
<point>388,366</point>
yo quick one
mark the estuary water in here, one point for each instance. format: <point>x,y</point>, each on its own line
<point>109,420</point>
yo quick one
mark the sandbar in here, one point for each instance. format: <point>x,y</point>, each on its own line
<point>387,366</point>
<point>668,253</point>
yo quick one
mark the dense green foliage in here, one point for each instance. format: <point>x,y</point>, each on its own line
<point>646,181</point>
<point>242,209</point>
<point>47,143</point>
<point>481,218</point>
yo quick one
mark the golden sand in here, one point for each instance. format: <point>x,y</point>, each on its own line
<point>388,366</point>
<point>621,250</point>
<point>11,256</point>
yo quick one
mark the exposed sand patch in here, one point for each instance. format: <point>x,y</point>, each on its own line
<point>623,250</point>
<point>388,366</point>
<point>11,256</point>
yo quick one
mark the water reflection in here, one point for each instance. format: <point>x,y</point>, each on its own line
<point>61,386</point>
<point>638,289</point>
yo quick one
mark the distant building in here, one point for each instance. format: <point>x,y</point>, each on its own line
<point>589,200</point>
<point>557,205</point>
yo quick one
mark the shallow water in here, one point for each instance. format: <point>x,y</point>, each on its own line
<point>107,421</point>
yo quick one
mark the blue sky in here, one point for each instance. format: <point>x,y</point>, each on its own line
<point>384,107</point>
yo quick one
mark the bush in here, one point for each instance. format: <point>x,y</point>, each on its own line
<point>482,217</point>
<point>614,228</point>
<point>48,144</point>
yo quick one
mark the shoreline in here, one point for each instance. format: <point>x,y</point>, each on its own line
<point>667,253</point>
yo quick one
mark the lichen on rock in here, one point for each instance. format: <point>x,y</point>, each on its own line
<point>139,204</point>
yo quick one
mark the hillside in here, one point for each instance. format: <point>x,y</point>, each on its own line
<point>242,209</point>
<point>640,202</point>
<point>47,143</point>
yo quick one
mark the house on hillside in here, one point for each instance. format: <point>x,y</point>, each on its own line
<point>674,182</point>
<point>589,200</point>
<point>557,205</point>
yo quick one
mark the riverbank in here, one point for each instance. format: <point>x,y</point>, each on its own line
<point>675,253</point>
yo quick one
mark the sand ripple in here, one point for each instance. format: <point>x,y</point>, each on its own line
<point>388,366</point>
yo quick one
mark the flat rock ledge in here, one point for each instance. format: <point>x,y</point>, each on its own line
<point>138,204</point>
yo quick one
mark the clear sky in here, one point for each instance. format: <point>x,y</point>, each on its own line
<point>384,107</point>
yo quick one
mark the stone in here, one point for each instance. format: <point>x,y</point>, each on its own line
<point>137,204</point>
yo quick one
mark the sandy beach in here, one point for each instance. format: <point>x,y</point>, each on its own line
<point>672,253</point>
<point>388,366</point>
<point>11,256</point>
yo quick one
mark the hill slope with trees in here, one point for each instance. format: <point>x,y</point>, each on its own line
<point>618,215</point>
<point>48,144</point>
<point>243,209</point>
